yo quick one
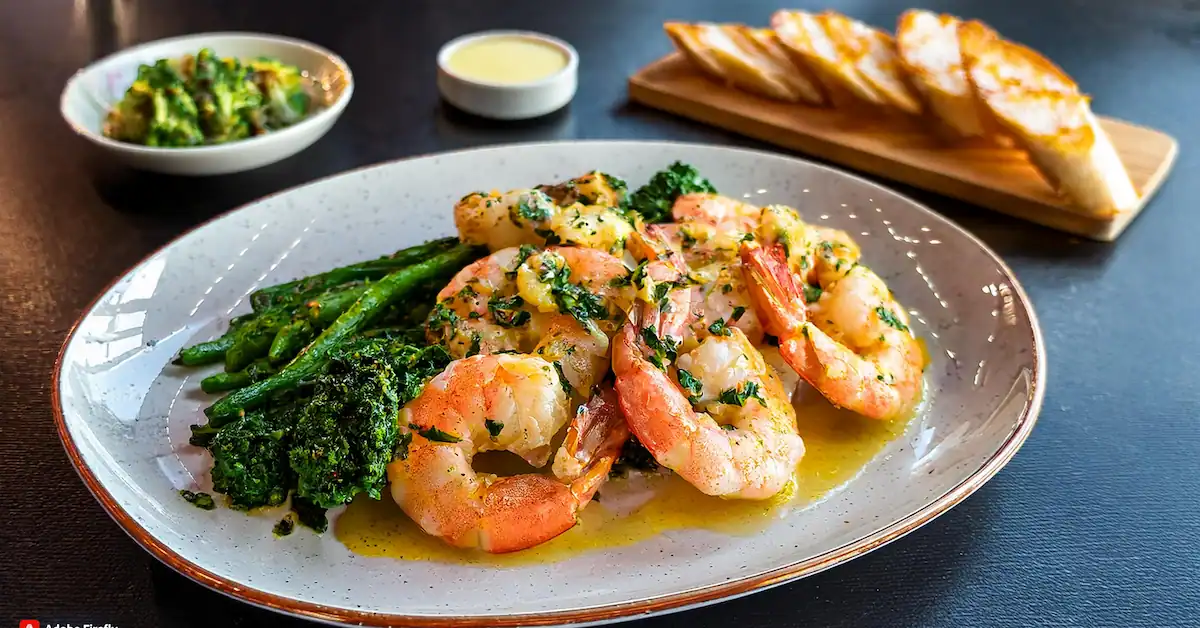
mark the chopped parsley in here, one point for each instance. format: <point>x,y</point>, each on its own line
<point>691,385</point>
<point>719,328</point>
<point>736,397</point>
<point>493,427</point>
<point>434,434</point>
<point>441,316</point>
<point>665,349</point>
<point>812,294</point>
<point>506,311</point>
<point>402,443</point>
<point>687,239</point>
<point>523,254</point>
<point>635,277</point>
<point>889,318</point>
<point>562,379</point>
<point>534,207</point>
<point>572,298</point>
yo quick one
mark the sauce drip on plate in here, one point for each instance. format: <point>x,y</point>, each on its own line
<point>838,445</point>
<point>506,60</point>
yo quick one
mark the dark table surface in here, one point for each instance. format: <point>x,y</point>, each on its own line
<point>1093,523</point>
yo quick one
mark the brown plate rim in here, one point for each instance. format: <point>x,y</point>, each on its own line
<point>582,616</point>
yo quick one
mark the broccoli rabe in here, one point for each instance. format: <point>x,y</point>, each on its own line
<point>653,200</point>
<point>347,435</point>
<point>250,463</point>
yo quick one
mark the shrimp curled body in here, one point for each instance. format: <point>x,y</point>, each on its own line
<point>852,342</point>
<point>732,433</point>
<point>505,402</point>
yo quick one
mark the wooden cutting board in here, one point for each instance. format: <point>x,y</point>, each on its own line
<point>996,178</point>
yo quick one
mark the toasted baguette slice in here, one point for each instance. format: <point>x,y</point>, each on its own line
<point>798,76</point>
<point>1043,109</point>
<point>928,48</point>
<point>809,44</point>
<point>731,55</point>
<point>872,55</point>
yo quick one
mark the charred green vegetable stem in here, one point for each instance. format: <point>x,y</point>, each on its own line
<point>299,290</point>
<point>377,297</point>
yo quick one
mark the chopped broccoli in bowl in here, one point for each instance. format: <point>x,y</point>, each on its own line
<point>203,99</point>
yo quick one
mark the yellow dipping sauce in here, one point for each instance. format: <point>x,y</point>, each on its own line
<point>838,443</point>
<point>506,59</point>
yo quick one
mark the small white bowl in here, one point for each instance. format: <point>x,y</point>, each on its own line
<point>94,90</point>
<point>508,101</point>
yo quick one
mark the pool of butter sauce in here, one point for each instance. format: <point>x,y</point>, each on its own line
<point>838,446</point>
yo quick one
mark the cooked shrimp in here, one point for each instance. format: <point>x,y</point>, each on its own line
<point>708,232</point>
<point>718,416</point>
<point>586,216</point>
<point>723,213</point>
<point>593,188</point>
<point>559,303</point>
<point>504,402</point>
<point>503,219</point>
<point>852,343</point>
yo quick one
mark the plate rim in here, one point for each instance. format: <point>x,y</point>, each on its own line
<point>589,615</point>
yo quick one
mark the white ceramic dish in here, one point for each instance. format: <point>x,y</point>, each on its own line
<point>508,101</point>
<point>123,410</point>
<point>92,91</point>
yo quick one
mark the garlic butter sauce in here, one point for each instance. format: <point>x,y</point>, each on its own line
<point>507,59</point>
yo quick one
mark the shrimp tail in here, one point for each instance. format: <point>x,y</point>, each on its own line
<point>593,442</point>
<point>774,288</point>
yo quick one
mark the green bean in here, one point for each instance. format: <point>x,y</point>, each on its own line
<point>377,297</point>
<point>253,339</point>
<point>220,382</point>
<point>205,352</point>
<point>299,290</point>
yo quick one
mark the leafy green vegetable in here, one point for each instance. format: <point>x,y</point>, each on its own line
<point>309,514</point>
<point>347,434</point>
<point>201,99</point>
<point>374,302</point>
<point>250,463</point>
<point>284,527</point>
<point>654,200</point>
<point>203,501</point>
<point>493,427</point>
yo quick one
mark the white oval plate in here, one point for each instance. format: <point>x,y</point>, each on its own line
<point>123,410</point>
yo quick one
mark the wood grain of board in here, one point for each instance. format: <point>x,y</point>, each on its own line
<point>996,178</point>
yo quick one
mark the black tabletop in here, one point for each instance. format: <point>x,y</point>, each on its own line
<point>1093,523</point>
